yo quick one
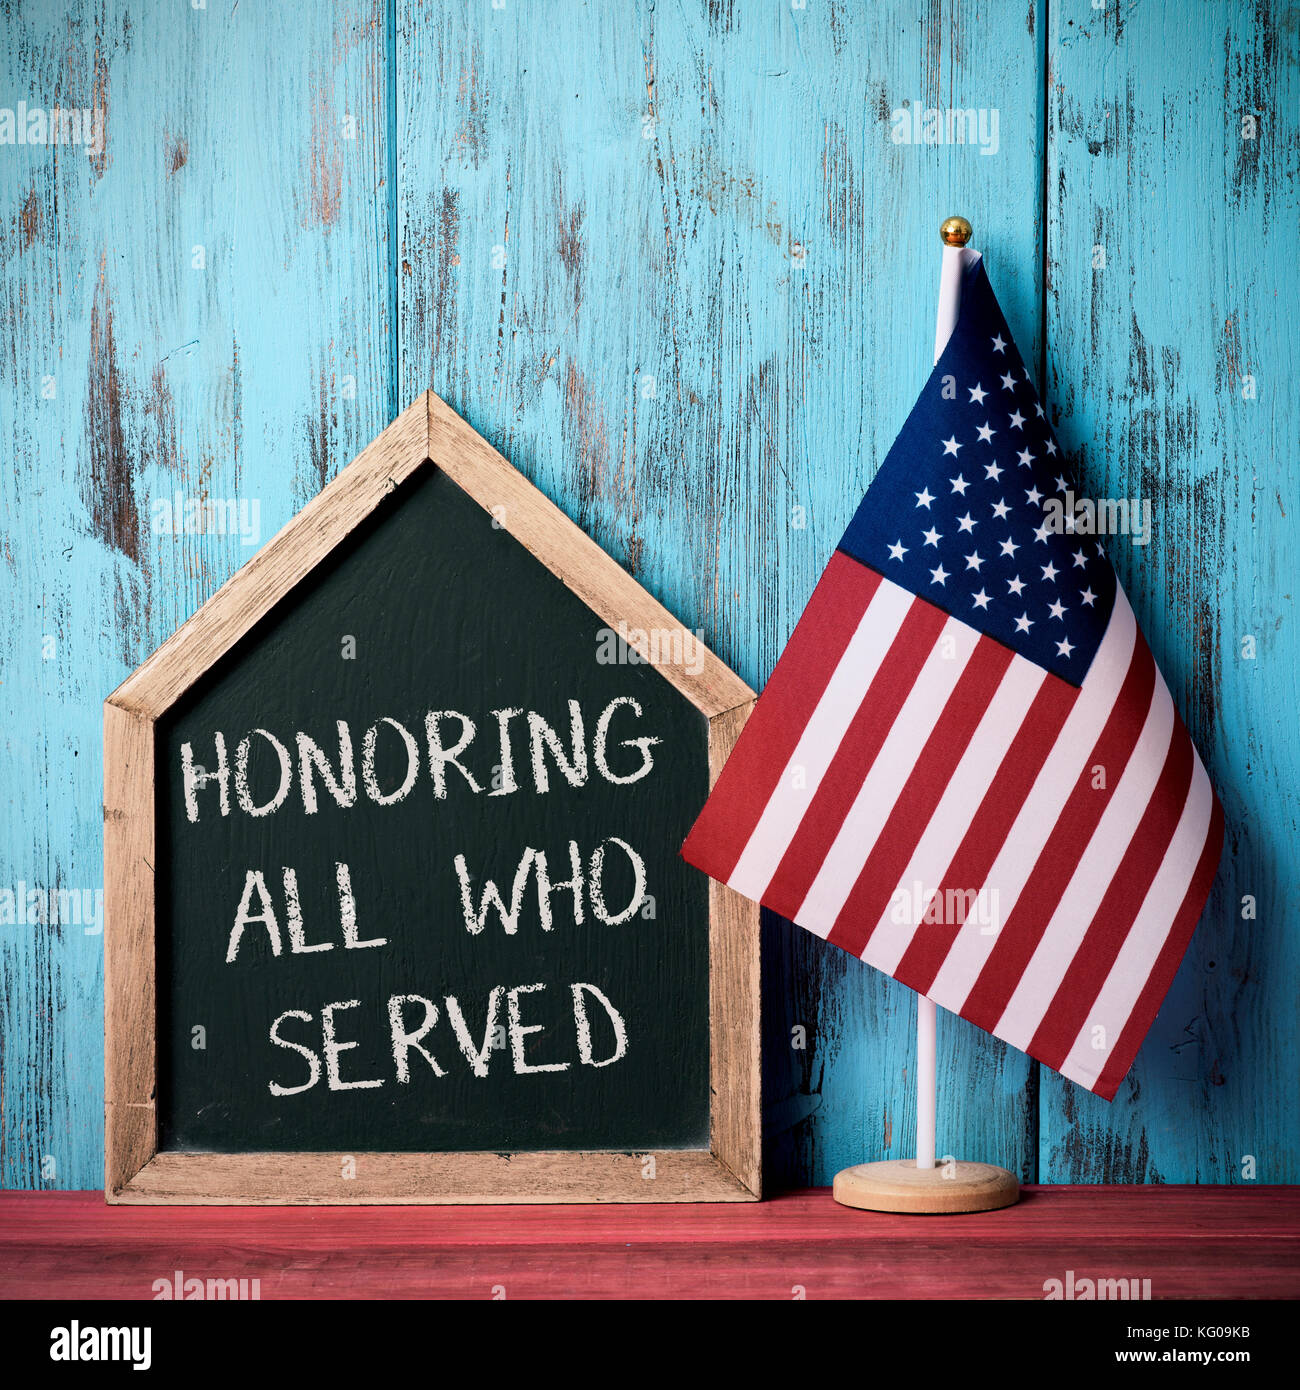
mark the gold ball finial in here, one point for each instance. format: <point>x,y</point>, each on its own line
<point>955,231</point>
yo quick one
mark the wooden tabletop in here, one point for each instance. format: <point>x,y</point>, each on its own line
<point>1190,1242</point>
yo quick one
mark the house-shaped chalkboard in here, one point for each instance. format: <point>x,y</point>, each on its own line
<point>394,905</point>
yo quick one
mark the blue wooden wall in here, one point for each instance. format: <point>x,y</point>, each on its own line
<point>670,260</point>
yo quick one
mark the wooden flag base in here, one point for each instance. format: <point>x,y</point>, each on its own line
<point>899,1185</point>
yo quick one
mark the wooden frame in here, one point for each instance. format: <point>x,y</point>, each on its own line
<point>429,431</point>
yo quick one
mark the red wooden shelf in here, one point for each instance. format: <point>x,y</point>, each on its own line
<point>1191,1242</point>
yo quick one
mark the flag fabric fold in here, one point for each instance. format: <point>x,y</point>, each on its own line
<point>966,768</point>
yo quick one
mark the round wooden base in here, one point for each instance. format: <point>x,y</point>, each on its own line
<point>899,1185</point>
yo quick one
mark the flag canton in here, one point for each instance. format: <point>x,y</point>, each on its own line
<point>973,508</point>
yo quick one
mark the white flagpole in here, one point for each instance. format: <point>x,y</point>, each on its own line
<point>955,232</point>
<point>899,1184</point>
<point>956,257</point>
<point>926,1077</point>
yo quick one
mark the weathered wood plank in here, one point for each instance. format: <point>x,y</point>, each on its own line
<point>200,307</point>
<point>1172,366</point>
<point>1190,1243</point>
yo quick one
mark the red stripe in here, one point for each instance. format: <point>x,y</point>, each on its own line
<point>902,831</point>
<point>1060,856</point>
<point>731,813</point>
<point>858,748</point>
<point>1166,967</point>
<point>1119,907</point>
<point>990,825</point>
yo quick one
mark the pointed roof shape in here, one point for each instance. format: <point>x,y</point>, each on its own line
<point>428,433</point>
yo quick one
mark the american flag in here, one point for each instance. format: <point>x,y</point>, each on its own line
<point>966,768</point>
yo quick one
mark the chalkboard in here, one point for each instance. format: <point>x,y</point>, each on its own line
<point>416,880</point>
<point>436,616</point>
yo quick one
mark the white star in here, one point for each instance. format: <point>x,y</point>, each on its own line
<point>1000,509</point>
<point>1008,382</point>
<point>966,523</point>
<point>1060,483</point>
<point>1088,597</point>
<point>992,471</point>
<point>977,394</point>
<point>959,484</point>
<point>1051,447</point>
<point>1017,421</point>
<point>985,433</point>
<point>1049,571</point>
<point>981,600</point>
<point>1042,533</point>
<point>1025,457</point>
<point>938,576</point>
<point>1034,495</point>
<point>897,550</point>
<point>1024,622</point>
<point>1057,610</point>
<point>950,446</point>
<point>1079,559</point>
<point>1009,547</point>
<point>923,498</point>
<point>974,560</point>
<point>998,344</point>
<point>1015,584</point>
<point>1065,646</point>
<point>1038,409</point>
<point>932,537</point>
<point>1101,549</point>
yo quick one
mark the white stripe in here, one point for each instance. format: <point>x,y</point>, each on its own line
<point>1146,938</point>
<point>817,746</point>
<point>1044,804</point>
<point>1092,876</point>
<point>1001,721</point>
<point>885,779</point>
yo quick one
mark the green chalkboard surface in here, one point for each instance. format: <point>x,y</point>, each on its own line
<point>426,751</point>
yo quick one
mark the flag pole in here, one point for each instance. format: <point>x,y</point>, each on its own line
<point>955,233</point>
<point>917,1185</point>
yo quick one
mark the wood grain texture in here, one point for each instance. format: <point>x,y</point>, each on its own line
<point>414,1179</point>
<point>735,1032</point>
<point>899,1185</point>
<point>1171,367</point>
<point>1191,1243</point>
<point>130,976</point>
<point>647,174</point>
